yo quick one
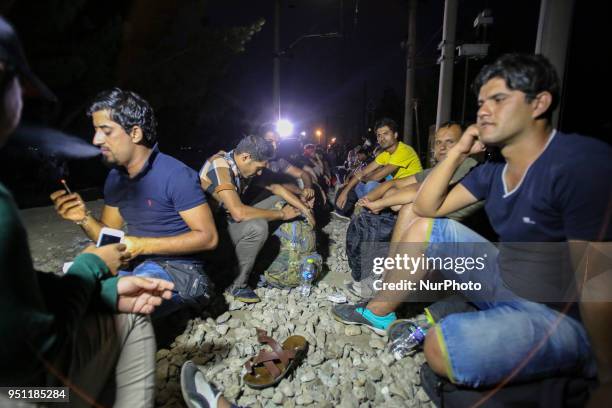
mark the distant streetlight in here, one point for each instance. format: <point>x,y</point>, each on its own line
<point>303,133</point>
<point>333,140</point>
<point>319,133</point>
<point>284,128</point>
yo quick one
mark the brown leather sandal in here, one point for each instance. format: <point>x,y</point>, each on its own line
<point>268,368</point>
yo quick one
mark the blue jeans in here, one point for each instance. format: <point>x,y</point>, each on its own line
<point>484,347</point>
<point>364,188</point>
<point>150,269</point>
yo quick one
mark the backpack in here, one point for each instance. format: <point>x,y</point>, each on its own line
<point>363,237</point>
<point>554,392</point>
<point>297,244</point>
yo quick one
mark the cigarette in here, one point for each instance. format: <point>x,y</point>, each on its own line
<point>66,186</point>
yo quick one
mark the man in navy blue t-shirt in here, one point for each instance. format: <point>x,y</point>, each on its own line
<point>157,197</point>
<point>550,188</point>
<point>550,192</point>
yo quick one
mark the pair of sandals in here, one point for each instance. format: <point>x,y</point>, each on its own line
<point>264,370</point>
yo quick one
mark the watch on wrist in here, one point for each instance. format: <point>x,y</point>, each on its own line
<point>84,220</point>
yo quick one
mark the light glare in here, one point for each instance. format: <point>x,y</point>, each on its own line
<point>284,128</point>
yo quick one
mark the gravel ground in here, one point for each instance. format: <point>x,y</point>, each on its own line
<point>345,367</point>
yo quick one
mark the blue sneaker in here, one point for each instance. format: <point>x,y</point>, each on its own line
<point>359,315</point>
<point>245,295</point>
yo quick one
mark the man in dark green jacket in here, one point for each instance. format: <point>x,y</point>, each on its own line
<point>66,331</point>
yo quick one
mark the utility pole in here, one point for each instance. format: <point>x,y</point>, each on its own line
<point>410,74</point>
<point>554,30</point>
<point>276,73</point>
<point>446,61</point>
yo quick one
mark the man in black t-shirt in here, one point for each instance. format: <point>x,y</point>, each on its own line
<point>551,191</point>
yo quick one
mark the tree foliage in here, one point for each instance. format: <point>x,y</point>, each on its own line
<point>162,49</point>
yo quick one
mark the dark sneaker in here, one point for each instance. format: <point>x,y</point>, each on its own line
<point>245,295</point>
<point>353,314</point>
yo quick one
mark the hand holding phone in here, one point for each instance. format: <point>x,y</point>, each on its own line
<point>113,255</point>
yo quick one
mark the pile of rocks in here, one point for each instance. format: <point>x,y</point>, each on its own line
<point>337,261</point>
<point>345,366</point>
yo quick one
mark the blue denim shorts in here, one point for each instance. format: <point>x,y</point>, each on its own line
<point>515,339</point>
<point>363,189</point>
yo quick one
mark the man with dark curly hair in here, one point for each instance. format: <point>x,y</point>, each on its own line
<point>158,197</point>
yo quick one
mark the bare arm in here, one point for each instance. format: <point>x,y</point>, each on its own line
<point>71,207</point>
<point>381,173</point>
<point>380,191</point>
<point>291,199</point>
<point>300,174</point>
<point>110,218</point>
<point>202,237</point>
<point>403,196</point>
<point>292,188</point>
<point>359,175</point>
<point>241,212</point>
<point>434,198</point>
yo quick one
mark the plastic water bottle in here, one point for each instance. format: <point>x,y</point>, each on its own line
<point>408,342</point>
<point>308,272</point>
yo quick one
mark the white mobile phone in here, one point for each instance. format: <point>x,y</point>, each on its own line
<point>109,236</point>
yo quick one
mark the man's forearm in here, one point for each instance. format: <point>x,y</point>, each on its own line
<point>306,179</point>
<point>91,226</point>
<point>435,187</point>
<point>187,243</point>
<point>292,188</point>
<point>374,176</point>
<point>401,197</point>
<point>380,191</point>
<point>249,213</point>
<point>290,198</point>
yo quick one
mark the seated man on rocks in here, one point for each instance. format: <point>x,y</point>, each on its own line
<point>397,160</point>
<point>279,165</point>
<point>397,192</point>
<point>85,330</point>
<point>158,197</point>
<point>225,178</point>
<point>550,188</point>
<point>398,195</point>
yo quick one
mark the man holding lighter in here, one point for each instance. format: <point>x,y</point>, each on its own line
<point>156,196</point>
<point>85,330</point>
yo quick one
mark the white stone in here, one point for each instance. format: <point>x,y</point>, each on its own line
<point>224,318</point>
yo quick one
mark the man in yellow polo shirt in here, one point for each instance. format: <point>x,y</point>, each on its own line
<point>397,160</point>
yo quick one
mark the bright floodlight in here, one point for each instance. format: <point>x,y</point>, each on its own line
<point>284,128</point>
<point>303,133</point>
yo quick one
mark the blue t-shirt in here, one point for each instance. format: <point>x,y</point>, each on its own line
<point>564,195</point>
<point>150,202</point>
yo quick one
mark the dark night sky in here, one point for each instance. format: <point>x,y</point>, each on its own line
<point>326,77</point>
<point>330,82</point>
